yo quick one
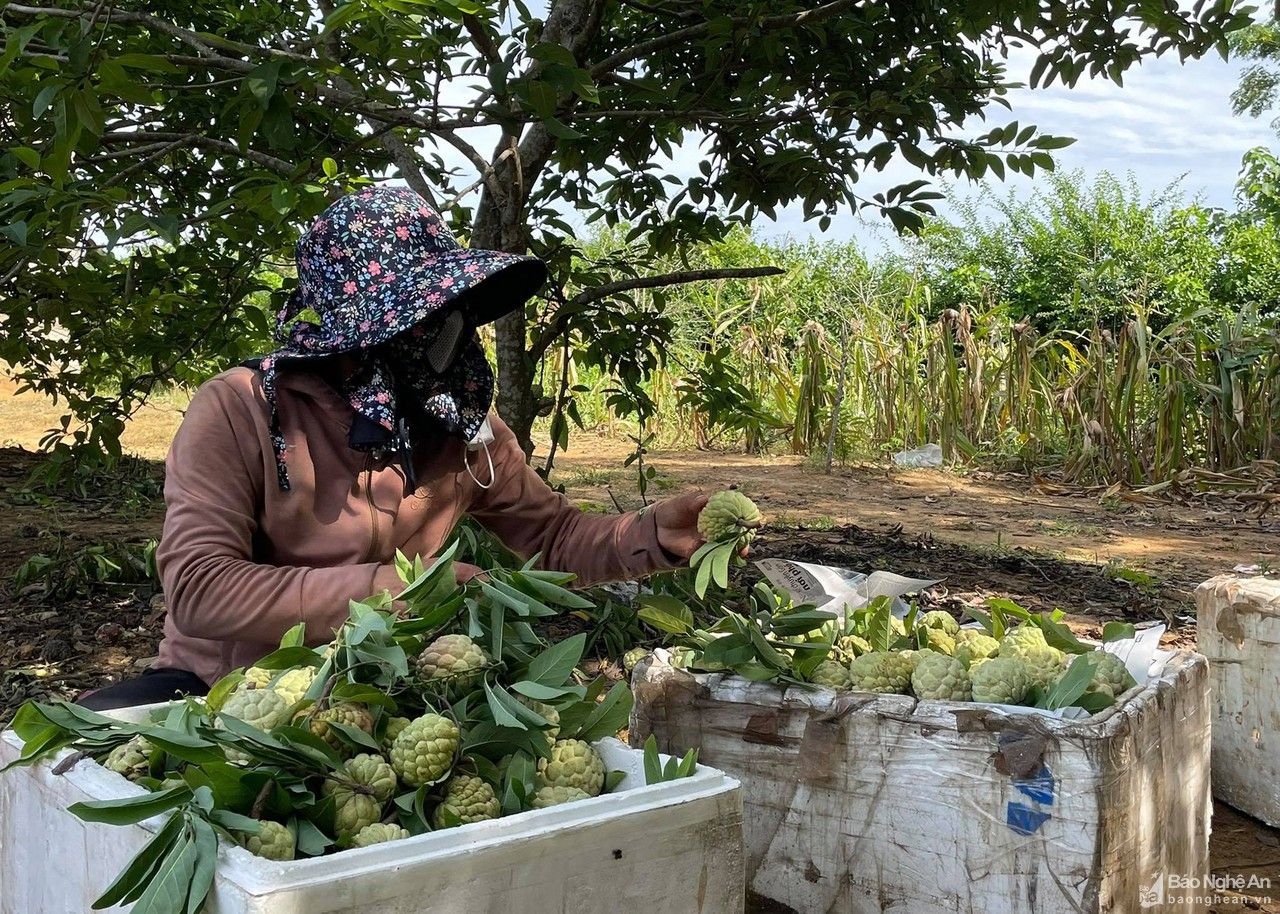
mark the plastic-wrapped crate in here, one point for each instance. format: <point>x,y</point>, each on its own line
<point>674,847</point>
<point>1238,629</point>
<point>855,802</point>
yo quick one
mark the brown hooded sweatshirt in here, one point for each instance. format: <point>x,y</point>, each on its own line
<point>242,561</point>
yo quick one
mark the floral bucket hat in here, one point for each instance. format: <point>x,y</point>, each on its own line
<point>380,277</point>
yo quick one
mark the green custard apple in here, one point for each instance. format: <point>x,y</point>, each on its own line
<point>379,833</point>
<point>1001,680</point>
<point>272,842</point>
<point>545,797</point>
<point>131,759</point>
<point>727,515</point>
<point>466,799</point>
<point>454,661</point>
<point>941,678</point>
<point>831,674</point>
<point>573,763</point>
<point>880,671</point>
<point>976,647</point>
<point>939,620</point>
<point>423,752</point>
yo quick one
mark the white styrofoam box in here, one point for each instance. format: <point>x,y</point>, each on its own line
<point>856,803</point>
<point>674,847</point>
<point>1238,629</point>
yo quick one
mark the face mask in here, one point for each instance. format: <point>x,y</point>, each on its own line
<point>443,349</point>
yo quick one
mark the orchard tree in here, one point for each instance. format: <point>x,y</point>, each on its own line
<point>159,158</point>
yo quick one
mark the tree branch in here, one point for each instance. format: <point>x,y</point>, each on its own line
<point>587,297</point>
<point>204,142</point>
<point>682,36</point>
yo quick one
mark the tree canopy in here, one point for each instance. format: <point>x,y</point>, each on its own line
<point>157,156</point>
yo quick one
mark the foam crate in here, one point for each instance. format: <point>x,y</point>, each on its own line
<point>674,847</point>
<point>856,803</point>
<point>1238,629</point>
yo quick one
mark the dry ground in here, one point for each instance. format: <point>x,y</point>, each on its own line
<point>982,533</point>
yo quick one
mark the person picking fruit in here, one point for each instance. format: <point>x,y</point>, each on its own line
<point>294,480</point>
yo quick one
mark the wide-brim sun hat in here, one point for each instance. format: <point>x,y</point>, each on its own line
<point>380,262</point>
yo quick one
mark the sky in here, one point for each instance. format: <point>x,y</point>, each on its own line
<point>1168,123</point>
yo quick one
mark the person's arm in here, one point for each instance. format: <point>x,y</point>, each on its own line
<point>522,511</point>
<point>213,588</point>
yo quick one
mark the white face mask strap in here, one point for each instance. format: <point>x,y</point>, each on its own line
<point>466,459</point>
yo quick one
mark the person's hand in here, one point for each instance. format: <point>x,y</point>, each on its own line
<point>677,520</point>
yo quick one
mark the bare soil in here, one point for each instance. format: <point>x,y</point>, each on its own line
<point>982,533</point>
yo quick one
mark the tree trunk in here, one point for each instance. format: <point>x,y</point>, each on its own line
<point>515,400</point>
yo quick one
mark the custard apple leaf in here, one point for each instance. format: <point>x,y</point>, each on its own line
<point>801,621</point>
<point>556,664</point>
<point>1058,635</point>
<point>546,586</point>
<point>612,779</point>
<point>288,657</point>
<point>296,636</point>
<point>361,694</point>
<point>607,718</point>
<point>132,881</point>
<point>540,692</point>
<point>129,810</point>
<point>665,613</point>
<point>880,631</point>
<point>1073,683</point>
<point>222,689</point>
<point>729,650</point>
<point>1118,631</point>
<point>312,842</point>
<point>507,712</point>
<point>355,735</point>
<point>992,623</point>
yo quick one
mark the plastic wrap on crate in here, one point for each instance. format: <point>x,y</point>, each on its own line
<point>1238,629</point>
<point>855,802</point>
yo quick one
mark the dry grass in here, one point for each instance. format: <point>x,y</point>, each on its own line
<point>26,417</point>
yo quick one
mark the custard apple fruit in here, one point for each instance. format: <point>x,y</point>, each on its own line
<point>1112,674</point>
<point>728,515</point>
<point>379,833</point>
<point>880,671</point>
<point>272,842</point>
<point>346,713</point>
<point>365,773</point>
<point>466,799</point>
<point>554,796</point>
<point>393,728</point>
<point>255,677</point>
<point>940,620</point>
<point>423,752</point>
<point>1044,663</point>
<point>853,645</point>
<point>976,647</point>
<point>293,684</point>
<point>573,763</point>
<point>131,759</point>
<point>260,708</point>
<point>1001,680</point>
<point>831,674</point>
<point>454,660</point>
<point>941,678</point>
<point>939,641</point>
<point>633,657</point>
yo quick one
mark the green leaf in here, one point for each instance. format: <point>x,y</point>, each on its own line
<point>1119,631</point>
<point>1068,689</point>
<point>720,563</point>
<point>206,847</point>
<point>170,885</point>
<point>609,716</point>
<point>129,810</point>
<point>1059,636</point>
<point>312,842</point>
<point>665,613</point>
<point>652,764</point>
<point>554,665</point>
<point>295,636</point>
<point>134,877</point>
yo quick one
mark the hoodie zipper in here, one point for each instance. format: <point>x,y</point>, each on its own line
<point>374,544</point>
